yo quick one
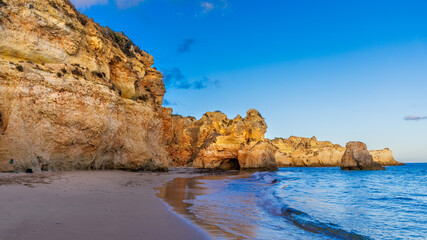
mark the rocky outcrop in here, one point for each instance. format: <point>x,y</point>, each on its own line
<point>357,157</point>
<point>214,141</point>
<point>258,156</point>
<point>384,157</point>
<point>308,152</point>
<point>75,95</point>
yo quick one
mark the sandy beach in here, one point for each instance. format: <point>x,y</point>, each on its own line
<point>90,205</point>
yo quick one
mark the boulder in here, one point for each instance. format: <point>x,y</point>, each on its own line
<point>357,157</point>
<point>258,156</point>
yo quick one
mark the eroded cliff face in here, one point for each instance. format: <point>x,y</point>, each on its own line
<point>258,156</point>
<point>308,152</point>
<point>214,141</point>
<point>384,157</point>
<point>217,142</point>
<point>75,95</point>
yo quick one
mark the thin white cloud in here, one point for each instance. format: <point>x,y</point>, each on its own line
<point>415,118</point>
<point>122,4</point>
<point>127,3</point>
<point>83,4</point>
<point>207,6</point>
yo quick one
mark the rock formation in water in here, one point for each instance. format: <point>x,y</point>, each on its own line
<point>306,152</point>
<point>75,95</point>
<point>214,141</point>
<point>384,157</point>
<point>357,157</point>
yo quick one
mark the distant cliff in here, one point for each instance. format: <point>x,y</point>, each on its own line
<point>384,157</point>
<point>308,152</point>
<point>214,141</point>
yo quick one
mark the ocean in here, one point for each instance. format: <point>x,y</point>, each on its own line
<point>307,203</point>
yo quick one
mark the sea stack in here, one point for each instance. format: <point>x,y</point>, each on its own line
<point>357,157</point>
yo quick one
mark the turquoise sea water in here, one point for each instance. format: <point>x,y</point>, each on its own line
<point>318,203</point>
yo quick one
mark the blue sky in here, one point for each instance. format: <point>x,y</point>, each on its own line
<point>339,70</point>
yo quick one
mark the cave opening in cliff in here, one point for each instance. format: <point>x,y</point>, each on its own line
<point>230,164</point>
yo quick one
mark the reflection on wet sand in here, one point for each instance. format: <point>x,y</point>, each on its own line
<point>176,192</point>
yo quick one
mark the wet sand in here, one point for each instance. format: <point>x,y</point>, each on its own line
<point>90,205</point>
<point>176,191</point>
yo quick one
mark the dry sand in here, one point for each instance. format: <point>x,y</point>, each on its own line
<point>89,205</point>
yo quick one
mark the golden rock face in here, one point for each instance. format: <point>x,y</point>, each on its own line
<point>75,95</point>
<point>384,157</point>
<point>258,156</point>
<point>54,32</point>
<point>214,141</point>
<point>357,157</point>
<point>308,152</point>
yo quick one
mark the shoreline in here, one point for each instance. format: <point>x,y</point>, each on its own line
<point>291,203</point>
<point>176,191</point>
<point>108,204</point>
<point>91,205</point>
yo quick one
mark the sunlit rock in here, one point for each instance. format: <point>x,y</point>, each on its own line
<point>357,157</point>
<point>214,141</point>
<point>75,95</point>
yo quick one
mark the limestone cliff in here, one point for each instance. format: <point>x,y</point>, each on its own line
<point>306,152</point>
<point>258,156</point>
<point>214,141</point>
<point>75,95</point>
<point>384,157</point>
<point>357,157</point>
